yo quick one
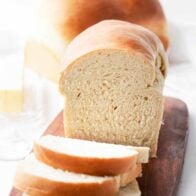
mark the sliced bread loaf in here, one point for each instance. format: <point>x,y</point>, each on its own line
<point>82,156</point>
<point>112,83</point>
<point>36,178</point>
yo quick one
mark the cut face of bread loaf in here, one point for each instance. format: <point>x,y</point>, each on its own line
<point>112,83</point>
<point>36,178</point>
<point>81,156</point>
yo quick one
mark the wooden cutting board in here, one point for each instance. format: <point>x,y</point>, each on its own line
<point>161,176</point>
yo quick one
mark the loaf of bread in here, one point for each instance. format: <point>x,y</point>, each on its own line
<point>60,21</point>
<point>112,83</point>
<point>42,59</point>
<point>71,17</point>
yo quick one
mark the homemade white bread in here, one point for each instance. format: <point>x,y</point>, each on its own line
<point>60,21</point>
<point>36,178</point>
<point>70,17</point>
<point>87,157</point>
<point>112,83</point>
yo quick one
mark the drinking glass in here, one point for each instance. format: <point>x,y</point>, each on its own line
<point>19,129</point>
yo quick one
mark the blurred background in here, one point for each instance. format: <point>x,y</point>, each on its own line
<point>20,14</point>
<point>18,21</point>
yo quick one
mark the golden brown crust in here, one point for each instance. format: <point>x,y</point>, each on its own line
<point>91,166</point>
<point>35,185</point>
<point>116,35</point>
<point>71,17</point>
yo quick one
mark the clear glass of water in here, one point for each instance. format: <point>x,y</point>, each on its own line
<point>19,129</point>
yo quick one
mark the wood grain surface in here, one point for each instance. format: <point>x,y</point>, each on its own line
<point>161,176</point>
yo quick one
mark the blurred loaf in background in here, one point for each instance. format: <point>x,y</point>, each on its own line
<point>60,21</point>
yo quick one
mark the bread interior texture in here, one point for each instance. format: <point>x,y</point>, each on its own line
<point>114,96</point>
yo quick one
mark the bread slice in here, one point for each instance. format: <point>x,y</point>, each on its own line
<point>126,180</point>
<point>131,190</point>
<point>112,83</point>
<point>131,175</point>
<point>33,176</point>
<point>82,156</point>
<point>143,153</point>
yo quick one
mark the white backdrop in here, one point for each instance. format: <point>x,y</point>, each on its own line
<point>181,81</point>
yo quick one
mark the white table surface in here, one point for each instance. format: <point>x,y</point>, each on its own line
<point>180,83</point>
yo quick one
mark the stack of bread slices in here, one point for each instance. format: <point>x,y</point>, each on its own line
<point>74,167</point>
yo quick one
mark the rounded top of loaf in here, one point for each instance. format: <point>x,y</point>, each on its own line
<point>71,17</point>
<point>116,35</point>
